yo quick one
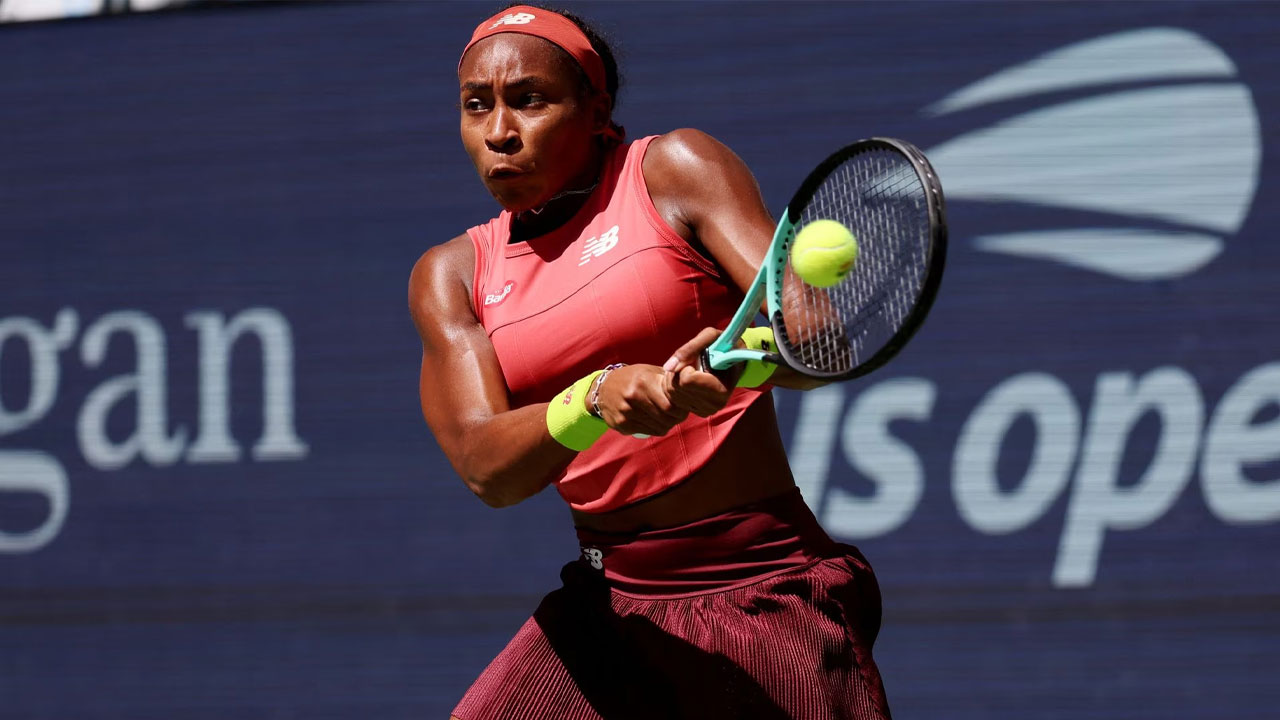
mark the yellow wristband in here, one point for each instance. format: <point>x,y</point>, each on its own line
<point>568,419</point>
<point>757,372</point>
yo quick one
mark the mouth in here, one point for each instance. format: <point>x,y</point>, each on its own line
<point>504,172</point>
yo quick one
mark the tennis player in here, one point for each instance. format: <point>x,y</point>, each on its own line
<point>559,344</point>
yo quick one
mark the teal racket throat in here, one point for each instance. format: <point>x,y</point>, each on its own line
<point>767,288</point>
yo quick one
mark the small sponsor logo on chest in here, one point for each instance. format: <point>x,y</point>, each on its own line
<point>491,299</point>
<point>597,246</point>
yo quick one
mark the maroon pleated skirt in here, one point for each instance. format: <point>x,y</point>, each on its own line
<point>753,613</point>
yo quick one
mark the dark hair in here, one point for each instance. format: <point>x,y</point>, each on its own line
<point>612,79</point>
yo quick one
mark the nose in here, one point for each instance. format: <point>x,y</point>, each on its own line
<point>502,133</point>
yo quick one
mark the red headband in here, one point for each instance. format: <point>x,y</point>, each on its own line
<point>550,26</point>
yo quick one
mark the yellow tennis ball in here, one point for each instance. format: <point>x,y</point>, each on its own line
<point>823,253</point>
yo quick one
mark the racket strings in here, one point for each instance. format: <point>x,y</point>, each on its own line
<point>878,195</point>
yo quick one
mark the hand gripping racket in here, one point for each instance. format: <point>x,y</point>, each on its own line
<point>887,194</point>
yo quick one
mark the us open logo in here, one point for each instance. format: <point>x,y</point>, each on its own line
<point>1159,159</point>
<point>1142,159</point>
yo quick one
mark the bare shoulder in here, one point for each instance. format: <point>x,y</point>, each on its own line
<point>685,155</point>
<point>708,195</point>
<point>440,284</point>
<point>691,175</point>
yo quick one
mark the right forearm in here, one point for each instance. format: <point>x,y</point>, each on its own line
<point>503,455</point>
<point>510,456</point>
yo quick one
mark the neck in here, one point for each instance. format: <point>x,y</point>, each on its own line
<point>561,207</point>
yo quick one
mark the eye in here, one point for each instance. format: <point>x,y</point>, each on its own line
<point>532,99</point>
<point>473,105</point>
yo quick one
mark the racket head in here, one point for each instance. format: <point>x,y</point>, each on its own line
<point>886,192</point>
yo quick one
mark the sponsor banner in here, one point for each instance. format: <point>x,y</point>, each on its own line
<point>217,494</point>
<point>28,10</point>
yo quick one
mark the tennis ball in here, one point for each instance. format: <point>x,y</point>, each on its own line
<point>823,253</point>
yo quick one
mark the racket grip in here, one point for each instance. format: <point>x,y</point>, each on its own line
<point>726,375</point>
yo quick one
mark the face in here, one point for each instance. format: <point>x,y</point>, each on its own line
<point>526,123</point>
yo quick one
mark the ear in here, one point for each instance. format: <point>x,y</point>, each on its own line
<point>601,112</point>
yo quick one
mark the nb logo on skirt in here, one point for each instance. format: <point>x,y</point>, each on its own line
<point>593,556</point>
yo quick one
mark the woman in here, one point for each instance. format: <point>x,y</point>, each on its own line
<point>706,588</point>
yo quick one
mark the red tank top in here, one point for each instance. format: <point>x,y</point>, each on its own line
<point>614,284</point>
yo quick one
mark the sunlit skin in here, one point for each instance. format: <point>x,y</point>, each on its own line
<point>532,132</point>
<point>527,122</point>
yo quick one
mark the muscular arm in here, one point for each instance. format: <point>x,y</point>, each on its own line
<point>503,455</point>
<point>709,196</point>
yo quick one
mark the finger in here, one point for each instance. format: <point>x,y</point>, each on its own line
<point>663,420</point>
<point>629,418</point>
<point>680,396</point>
<point>700,393</point>
<point>704,383</point>
<point>641,426</point>
<point>652,414</point>
<point>677,415</point>
<point>663,410</point>
<point>710,389</point>
<point>659,426</point>
<point>671,383</point>
<point>687,354</point>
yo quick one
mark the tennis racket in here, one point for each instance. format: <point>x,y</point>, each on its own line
<point>887,194</point>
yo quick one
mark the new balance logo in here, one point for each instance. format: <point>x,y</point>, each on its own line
<point>597,246</point>
<point>513,19</point>
<point>593,556</point>
<point>495,298</point>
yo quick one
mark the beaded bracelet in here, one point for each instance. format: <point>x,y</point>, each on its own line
<point>599,383</point>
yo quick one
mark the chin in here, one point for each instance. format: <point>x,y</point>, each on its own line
<point>516,200</point>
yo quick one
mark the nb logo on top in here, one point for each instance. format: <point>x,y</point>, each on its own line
<point>597,246</point>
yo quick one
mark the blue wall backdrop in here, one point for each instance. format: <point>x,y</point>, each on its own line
<point>217,495</point>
